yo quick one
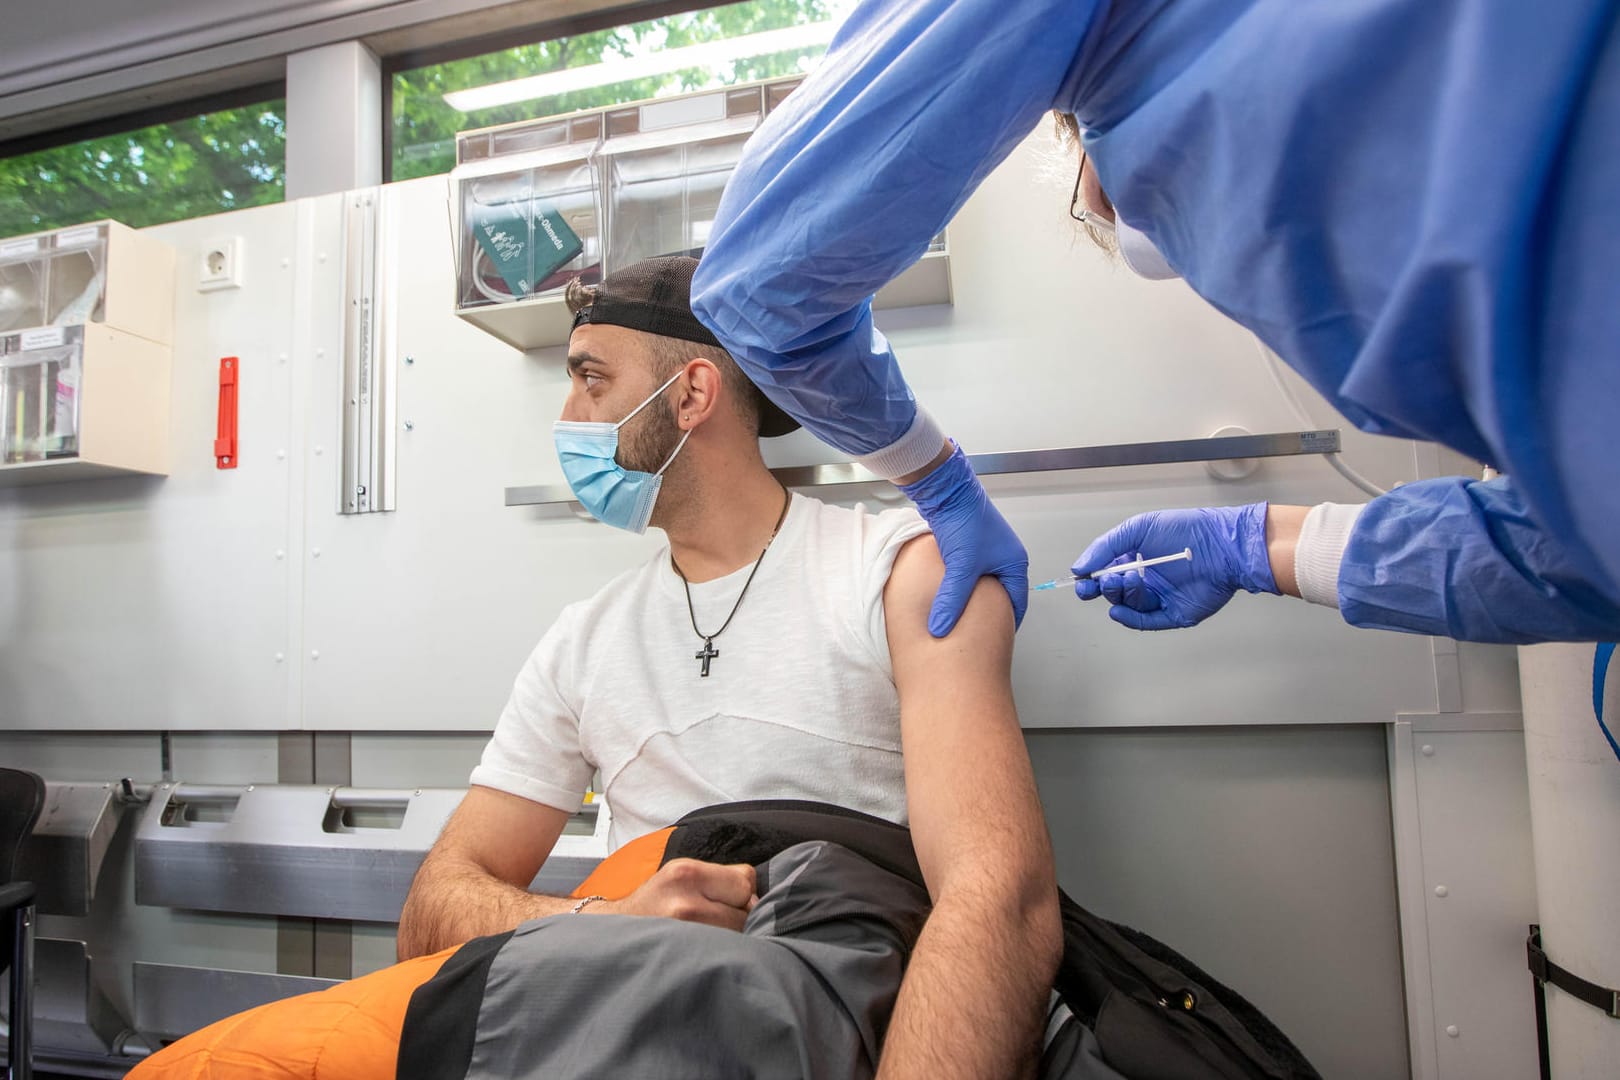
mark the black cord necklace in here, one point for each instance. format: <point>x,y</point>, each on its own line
<point>709,652</point>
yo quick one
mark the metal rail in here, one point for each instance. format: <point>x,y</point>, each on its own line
<point>1217,448</point>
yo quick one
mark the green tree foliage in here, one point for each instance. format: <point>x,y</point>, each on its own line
<point>425,125</point>
<point>223,160</point>
<point>236,158</point>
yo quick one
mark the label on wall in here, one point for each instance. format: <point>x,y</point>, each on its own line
<point>85,234</point>
<point>45,337</point>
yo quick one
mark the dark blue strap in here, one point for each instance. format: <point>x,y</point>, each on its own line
<point>1600,673</point>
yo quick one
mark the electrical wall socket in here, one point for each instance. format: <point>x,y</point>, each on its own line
<point>220,266</point>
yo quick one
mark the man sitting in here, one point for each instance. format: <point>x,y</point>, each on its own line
<point>778,649</point>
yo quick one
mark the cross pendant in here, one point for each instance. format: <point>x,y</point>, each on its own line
<point>709,652</point>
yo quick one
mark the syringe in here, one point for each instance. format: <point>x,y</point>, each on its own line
<point>1137,564</point>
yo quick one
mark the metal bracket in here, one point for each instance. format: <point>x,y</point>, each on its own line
<point>309,851</point>
<point>68,846</point>
<point>369,383</point>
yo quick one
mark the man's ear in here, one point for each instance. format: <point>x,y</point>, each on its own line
<point>700,392</point>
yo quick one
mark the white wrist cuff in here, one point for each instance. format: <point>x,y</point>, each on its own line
<point>1322,540</point>
<point>914,450</point>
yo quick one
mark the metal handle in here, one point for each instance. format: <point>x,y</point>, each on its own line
<point>1218,448</point>
<point>369,443</point>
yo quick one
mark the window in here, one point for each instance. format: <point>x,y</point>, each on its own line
<point>224,160</point>
<point>675,55</point>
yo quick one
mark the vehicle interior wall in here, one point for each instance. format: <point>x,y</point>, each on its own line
<point>1228,789</point>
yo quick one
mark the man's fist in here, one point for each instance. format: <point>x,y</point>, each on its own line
<point>700,892</point>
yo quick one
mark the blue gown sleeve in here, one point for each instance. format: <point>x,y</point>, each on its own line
<point>1464,559</point>
<point>845,184</point>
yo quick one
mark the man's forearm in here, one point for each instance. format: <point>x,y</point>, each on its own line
<point>974,996</point>
<point>452,902</point>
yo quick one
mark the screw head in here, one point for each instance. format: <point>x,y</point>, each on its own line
<point>1441,891</point>
<point>410,425</point>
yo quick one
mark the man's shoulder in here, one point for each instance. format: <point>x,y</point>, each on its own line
<point>873,531</point>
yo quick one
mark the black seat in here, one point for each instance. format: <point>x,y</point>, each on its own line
<point>22,797</point>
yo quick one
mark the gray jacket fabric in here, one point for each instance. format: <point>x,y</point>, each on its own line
<point>804,991</point>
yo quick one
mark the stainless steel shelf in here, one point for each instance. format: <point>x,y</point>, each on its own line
<point>1219,448</point>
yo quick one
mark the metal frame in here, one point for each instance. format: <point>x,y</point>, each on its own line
<point>1218,448</point>
<point>20,1033</point>
<point>370,441</point>
<point>186,108</point>
<point>64,854</point>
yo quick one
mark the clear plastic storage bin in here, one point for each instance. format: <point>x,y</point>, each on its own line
<point>528,232</point>
<point>40,376</point>
<point>78,402</point>
<point>529,210</point>
<point>101,272</point>
<point>544,201</point>
<point>22,291</point>
<point>666,164</point>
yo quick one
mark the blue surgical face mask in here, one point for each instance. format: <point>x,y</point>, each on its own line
<point>1140,254</point>
<point>1135,248</point>
<point>613,494</point>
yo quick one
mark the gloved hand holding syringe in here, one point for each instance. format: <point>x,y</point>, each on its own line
<point>1136,564</point>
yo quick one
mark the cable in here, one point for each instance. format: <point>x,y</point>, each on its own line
<point>1600,672</point>
<point>1273,365</point>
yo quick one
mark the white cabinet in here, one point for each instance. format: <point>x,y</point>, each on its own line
<point>86,331</point>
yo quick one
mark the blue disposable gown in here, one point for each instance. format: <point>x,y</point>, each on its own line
<point>1416,203</point>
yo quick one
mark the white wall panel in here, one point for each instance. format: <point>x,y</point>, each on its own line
<point>160,602</point>
<point>421,617</point>
<point>1467,884</point>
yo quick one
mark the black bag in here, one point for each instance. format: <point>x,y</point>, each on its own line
<point>1154,1014</point>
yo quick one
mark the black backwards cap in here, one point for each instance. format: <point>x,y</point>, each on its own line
<point>655,297</point>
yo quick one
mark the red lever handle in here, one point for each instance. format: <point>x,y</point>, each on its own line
<point>225,438</point>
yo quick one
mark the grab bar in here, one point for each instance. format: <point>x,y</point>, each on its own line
<point>1215,448</point>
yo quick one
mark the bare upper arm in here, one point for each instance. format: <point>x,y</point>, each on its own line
<point>507,836</point>
<point>970,789</point>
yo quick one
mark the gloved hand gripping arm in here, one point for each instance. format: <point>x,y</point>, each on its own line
<point>974,540</point>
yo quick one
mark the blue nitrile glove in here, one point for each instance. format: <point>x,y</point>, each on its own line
<point>974,540</point>
<point>1228,553</point>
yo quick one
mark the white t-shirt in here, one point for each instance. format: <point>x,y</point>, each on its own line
<point>799,704</point>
